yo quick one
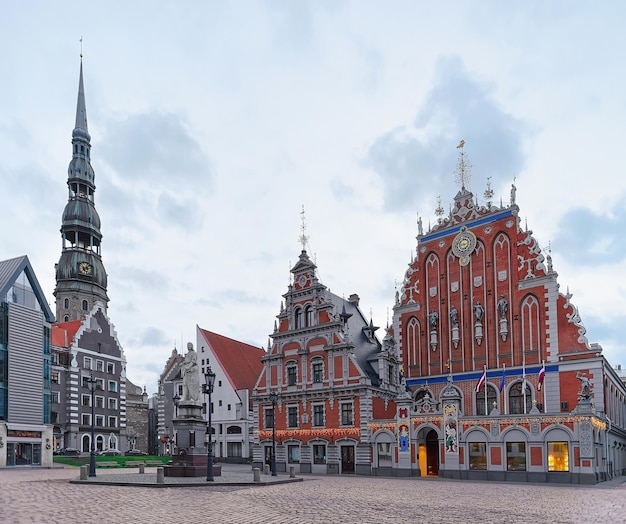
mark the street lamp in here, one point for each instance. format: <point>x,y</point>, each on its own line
<point>209,380</point>
<point>273,397</point>
<point>91,384</point>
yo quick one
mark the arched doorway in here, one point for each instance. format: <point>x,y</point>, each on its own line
<point>432,454</point>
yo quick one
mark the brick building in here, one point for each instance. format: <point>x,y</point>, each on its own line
<point>504,383</point>
<point>331,376</point>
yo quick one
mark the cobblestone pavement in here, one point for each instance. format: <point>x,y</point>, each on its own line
<point>46,496</point>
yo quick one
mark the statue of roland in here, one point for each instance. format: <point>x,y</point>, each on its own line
<point>191,379</point>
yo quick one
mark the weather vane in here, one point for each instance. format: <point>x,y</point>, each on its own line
<point>303,238</point>
<point>463,167</point>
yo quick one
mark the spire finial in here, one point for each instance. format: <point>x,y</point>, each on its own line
<point>439,211</point>
<point>463,167</point>
<point>303,238</point>
<point>489,193</point>
<point>81,47</point>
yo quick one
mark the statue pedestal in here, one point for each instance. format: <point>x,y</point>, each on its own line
<point>190,454</point>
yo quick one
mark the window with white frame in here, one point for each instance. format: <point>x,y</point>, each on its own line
<point>292,374</point>
<point>54,398</point>
<point>318,370</point>
<point>112,422</point>
<point>85,400</point>
<point>99,402</point>
<point>269,418</point>
<point>112,403</point>
<point>85,419</point>
<point>293,454</point>
<point>100,421</point>
<point>112,386</point>
<point>99,365</point>
<point>100,384</point>
<point>110,368</point>
<point>318,415</point>
<point>292,416</point>
<point>347,414</point>
<point>87,362</point>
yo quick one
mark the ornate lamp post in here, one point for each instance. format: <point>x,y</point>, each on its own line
<point>91,384</point>
<point>273,397</point>
<point>209,380</point>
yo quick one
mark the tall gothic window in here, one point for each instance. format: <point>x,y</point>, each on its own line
<point>412,338</point>
<point>531,326</point>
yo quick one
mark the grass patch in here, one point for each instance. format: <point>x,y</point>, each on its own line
<point>81,461</point>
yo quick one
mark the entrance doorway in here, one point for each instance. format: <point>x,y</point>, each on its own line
<point>347,459</point>
<point>268,455</point>
<point>432,453</point>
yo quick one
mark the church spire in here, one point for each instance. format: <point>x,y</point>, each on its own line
<point>81,280</point>
<point>81,109</point>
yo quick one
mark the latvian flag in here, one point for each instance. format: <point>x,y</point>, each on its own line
<point>481,382</point>
<point>542,374</point>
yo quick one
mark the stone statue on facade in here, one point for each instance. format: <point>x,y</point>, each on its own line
<point>433,318</point>
<point>503,306</point>
<point>479,311</point>
<point>585,387</point>
<point>191,378</point>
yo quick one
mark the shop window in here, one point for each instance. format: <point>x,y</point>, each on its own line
<point>558,456</point>
<point>384,454</point>
<point>319,454</point>
<point>516,456</point>
<point>233,449</point>
<point>293,454</point>
<point>477,455</point>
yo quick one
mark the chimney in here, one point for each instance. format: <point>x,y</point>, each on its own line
<point>354,299</point>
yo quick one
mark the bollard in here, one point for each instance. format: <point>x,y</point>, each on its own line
<point>142,468</point>
<point>84,472</point>
<point>256,472</point>
<point>160,476</point>
<point>266,469</point>
<point>292,472</point>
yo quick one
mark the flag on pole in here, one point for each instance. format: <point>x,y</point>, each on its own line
<point>503,381</point>
<point>481,382</point>
<point>542,374</point>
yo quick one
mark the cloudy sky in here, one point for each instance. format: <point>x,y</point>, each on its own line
<point>213,123</point>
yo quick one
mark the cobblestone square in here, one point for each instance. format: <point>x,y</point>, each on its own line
<point>46,496</point>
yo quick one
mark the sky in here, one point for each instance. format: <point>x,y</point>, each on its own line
<point>213,124</point>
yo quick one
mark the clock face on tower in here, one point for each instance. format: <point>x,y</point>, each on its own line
<point>85,268</point>
<point>463,245</point>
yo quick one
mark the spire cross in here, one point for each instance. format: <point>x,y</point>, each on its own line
<point>303,238</point>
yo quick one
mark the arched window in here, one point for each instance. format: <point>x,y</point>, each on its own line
<point>99,443</point>
<point>297,317</point>
<point>85,305</point>
<point>308,313</point>
<point>85,444</point>
<point>66,318</point>
<point>66,303</point>
<point>531,324</point>
<point>516,399</point>
<point>481,408</point>
<point>233,430</point>
<point>413,339</point>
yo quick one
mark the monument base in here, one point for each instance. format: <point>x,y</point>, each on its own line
<point>190,466</point>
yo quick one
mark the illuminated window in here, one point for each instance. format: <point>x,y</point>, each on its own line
<point>477,455</point>
<point>558,456</point>
<point>516,456</point>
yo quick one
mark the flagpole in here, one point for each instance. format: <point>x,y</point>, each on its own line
<point>486,411</point>
<point>543,385</point>
<point>524,384</point>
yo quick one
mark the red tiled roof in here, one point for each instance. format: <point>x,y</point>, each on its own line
<point>62,333</point>
<point>240,361</point>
